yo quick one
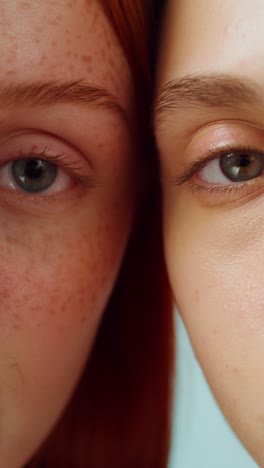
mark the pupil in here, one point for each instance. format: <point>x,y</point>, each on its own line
<point>243,160</point>
<point>33,175</point>
<point>34,169</point>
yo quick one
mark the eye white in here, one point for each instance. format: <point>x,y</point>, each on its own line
<point>213,174</point>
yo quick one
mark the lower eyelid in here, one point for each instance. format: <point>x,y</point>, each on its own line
<point>232,195</point>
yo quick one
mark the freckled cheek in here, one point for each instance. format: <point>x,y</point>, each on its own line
<point>53,289</point>
<point>56,274</point>
<point>75,274</point>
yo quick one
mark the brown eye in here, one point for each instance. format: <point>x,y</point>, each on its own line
<point>242,165</point>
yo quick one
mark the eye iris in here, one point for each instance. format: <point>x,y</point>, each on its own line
<point>242,166</point>
<point>33,175</point>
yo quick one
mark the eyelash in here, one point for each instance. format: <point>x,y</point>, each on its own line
<point>61,160</point>
<point>192,170</point>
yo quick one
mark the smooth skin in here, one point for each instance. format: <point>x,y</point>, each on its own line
<point>212,54</point>
<point>61,248</point>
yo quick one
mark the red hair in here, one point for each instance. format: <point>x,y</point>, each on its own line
<point>119,415</point>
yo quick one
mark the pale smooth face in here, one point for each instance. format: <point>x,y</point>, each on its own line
<point>61,246</point>
<point>210,133</point>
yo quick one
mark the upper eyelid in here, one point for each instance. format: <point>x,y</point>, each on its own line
<point>43,133</point>
<point>60,158</point>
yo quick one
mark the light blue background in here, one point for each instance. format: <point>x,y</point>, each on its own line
<point>201,436</point>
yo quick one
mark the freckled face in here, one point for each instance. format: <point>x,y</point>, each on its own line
<point>211,143</point>
<point>67,199</point>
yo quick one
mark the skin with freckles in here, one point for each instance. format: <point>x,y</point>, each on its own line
<point>210,133</point>
<point>61,246</point>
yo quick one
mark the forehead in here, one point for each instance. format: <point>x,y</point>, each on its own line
<point>61,40</point>
<point>216,36</point>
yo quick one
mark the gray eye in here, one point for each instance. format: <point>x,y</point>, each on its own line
<point>242,165</point>
<point>33,175</point>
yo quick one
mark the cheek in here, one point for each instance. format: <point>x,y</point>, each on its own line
<point>55,280</point>
<point>53,291</point>
<point>215,261</point>
<point>216,267</point>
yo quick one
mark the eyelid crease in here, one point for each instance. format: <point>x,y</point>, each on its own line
<point>36,132</point>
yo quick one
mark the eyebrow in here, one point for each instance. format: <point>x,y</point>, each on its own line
<point>205,90</point>
<point>56,92</point>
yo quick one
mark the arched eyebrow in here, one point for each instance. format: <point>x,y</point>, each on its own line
<point>55,92</point>
<point>205,90</point>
